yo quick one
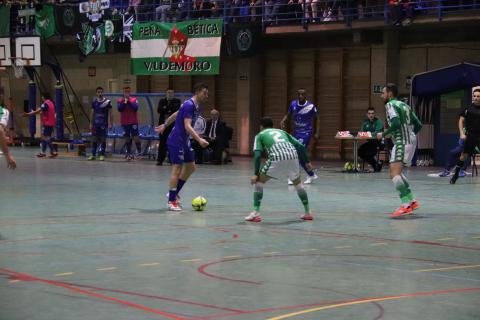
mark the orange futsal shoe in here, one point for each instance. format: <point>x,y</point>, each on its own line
<point>414,205</point>
<point>401,212</point>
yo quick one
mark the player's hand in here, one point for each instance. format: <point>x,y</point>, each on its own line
<point>160,129</point>
<point>253,179</point>
<point>463,136</point>
<point>379,136</point>
<point>25,115</point>
<point>11,164</point>
<point>282,125</point>
<point>203,143</point>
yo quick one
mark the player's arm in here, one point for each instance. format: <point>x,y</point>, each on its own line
<point>394,125</point>
<point>33,112</point>
<point>167,122</point>
<point>378,126</point>
<point>283,122</point>
<point>257,159</point>
<point>121,104</point>
<point>188,126</point>
<point>3,144</point>
<point>91,119</point>
<point>417,124</point>
<point>461,127</point>
<point>133,104</point>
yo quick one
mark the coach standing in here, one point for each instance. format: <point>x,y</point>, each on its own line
<point>166,107</point>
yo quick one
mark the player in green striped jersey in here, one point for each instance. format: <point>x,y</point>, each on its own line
<point>403,128</point>
<point>283,152</point>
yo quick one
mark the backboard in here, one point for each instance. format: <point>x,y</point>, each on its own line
<point>29,48</point>
<point>5,52</point>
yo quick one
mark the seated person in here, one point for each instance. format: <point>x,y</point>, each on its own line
<point>216,134</point>
<point>199,128</point>
<point>368,151</point>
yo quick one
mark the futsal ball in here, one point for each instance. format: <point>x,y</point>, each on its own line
<point>348,166</point>
<point>199,203</point>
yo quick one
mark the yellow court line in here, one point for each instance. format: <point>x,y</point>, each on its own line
<point>379,244</point>
<point>449,268</point>
<point>443,239</point>
<point>231,257</point>
<point>14,281</point>
<point>475,237</point>
<point>307,250</point>
<point>64,274</point>
<point>106,269</point>
<point>273,252</point>
<point>191,260</point>
<point>149,264</point>
<point>342,247</point>
<point>293,314</point>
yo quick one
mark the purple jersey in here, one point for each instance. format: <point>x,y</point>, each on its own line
<point>303,115</point>
<point>179,135</point>
<point>100,112</point>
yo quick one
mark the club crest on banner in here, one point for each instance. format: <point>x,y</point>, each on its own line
<point>94,9</point>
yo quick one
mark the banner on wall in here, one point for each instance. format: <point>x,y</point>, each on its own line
<point>184,48</point>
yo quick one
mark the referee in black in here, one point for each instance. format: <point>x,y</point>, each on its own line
<point>166,107</point>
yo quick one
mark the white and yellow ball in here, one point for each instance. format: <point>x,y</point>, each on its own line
<point>199,203</point>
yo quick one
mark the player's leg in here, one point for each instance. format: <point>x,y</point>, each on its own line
<point>254,216</point>
<point>294,175</point>
<point>402,155</point>
<point>94,146</point>
<point>188,167</point>
<point>270,169</point>
<point>128,141</point>
<point>305,140</point>
<point>177,161</point>
<point>102,139</point>
<point>136,139</point>
<point>43,144</point>
<point>470,144</point>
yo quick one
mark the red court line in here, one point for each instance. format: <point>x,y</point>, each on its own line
<point>357,236</point>
<point>404,295</point>
<point>26,277</point>
<point>202,269</point>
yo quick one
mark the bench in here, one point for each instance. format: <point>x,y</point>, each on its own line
<point>69,146</point>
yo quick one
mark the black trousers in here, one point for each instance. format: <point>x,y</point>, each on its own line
<point>162,146</point>
<point>368,152</point>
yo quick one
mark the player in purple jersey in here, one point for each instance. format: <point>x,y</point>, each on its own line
<point>101,118</point>
<point>304,112</point>
<point>182,156</point>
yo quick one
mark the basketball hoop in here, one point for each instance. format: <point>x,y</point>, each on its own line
<point>18,65</point>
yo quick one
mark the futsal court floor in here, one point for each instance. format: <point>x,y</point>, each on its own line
<point>92,240</point>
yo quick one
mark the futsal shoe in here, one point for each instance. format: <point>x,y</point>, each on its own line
<point>444,173</point>
<point>253,217</point>
<point>173,206</point>
<point>306,217</point>
<point>53,155</point>
<point>401,212</point>
<point>101,158</point>
<point>178,199</point>
<point>414,205</point>
<point>454,178</point>
<point>310,179</point>
<point>41,155</point>
<point>91,158</point>
<point>290,182</point>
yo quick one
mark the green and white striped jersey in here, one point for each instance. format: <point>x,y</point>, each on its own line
<point>278,144</point>
<point>406,133</point>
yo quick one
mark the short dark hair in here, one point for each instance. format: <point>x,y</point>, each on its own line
<point>392,87</point>
<point>266,122</point>
<point>126,87</point>
<point>169,89</point>
<point>199,86</point>
<point>371,109</point>
<point>476,90</point>
<point>99,88</point>
<point>47,96</point>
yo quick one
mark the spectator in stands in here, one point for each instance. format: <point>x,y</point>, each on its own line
<point>368,151</point>
<point>202,9</point>
<point>295,11</point>
<point>162,10</point>
<point>216,135</point>
<point>128,107</point>
<point>311,9</point>
<point>279,10</point>
<point>401,12</point>
<point>133,7</point>
<point>256,10</point>
<point>268,8</point>
<point>166,107</point>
